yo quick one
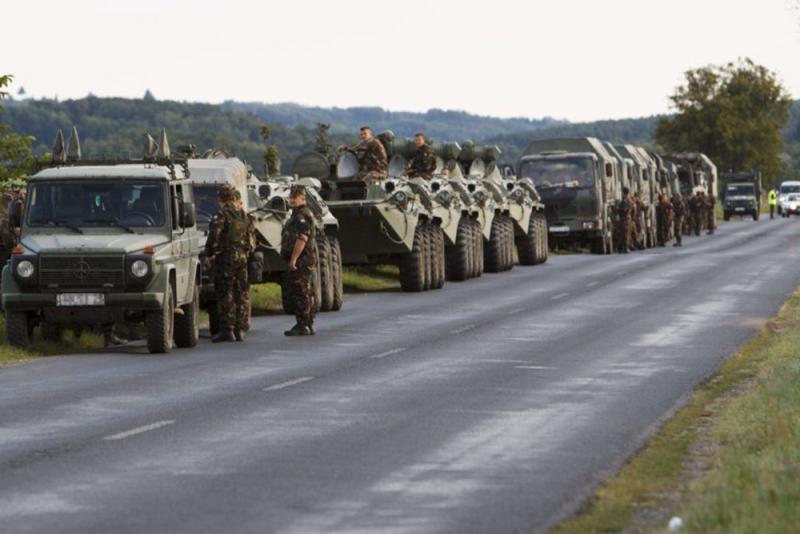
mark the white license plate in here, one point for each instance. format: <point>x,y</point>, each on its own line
<point>738,209</point>
<point>81,299</point>
<point>559,229</point>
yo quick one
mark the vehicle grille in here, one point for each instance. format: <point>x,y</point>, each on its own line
<point>82,271</point>
<point>356,190</point>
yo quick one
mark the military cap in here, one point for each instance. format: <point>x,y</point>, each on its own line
<point>226,193</point>
<point>296,190</point>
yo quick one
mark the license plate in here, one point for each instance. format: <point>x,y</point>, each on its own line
<point>559,229</point>
<point>739,209</point>
<point>81,299</point>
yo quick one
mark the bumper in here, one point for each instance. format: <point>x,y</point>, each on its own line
<point>117,301</point>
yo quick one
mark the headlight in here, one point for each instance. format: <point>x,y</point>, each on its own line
<point>25,269</point>
<point>516,194</point>
<point>139,268</point>
<point>444,197</point>
<point>400,197</point>
<point>479,196</point>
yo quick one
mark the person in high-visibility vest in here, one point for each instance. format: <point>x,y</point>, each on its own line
<point>772,200</point>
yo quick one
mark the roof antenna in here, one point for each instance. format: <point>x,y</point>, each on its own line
<point>74,150</point>
<point>59,154</point>
<point>150,147</point>
<point>163,152</point>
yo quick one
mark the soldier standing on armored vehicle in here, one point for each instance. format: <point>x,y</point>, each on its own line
<point>228,246</point>
<point>373,164</point>
<point>711,205</point>
<point>423,164</point>
<point>678,215</point>
<point>625,208</point>
<point>298,249</point>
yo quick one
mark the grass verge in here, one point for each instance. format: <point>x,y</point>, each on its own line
<point>369,279</point>
<point>70,344</point>
<point>742,427</point>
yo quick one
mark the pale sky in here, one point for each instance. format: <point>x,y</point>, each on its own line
<point>578,60</point>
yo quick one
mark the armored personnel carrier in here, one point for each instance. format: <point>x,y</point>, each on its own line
<point>266,202</point>
<point>105,242</point>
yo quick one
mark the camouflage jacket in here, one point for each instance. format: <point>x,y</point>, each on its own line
<point>423,164</point>
<point>625,209</point>
<point>231,237</point>
<point>301,222</point>
<point>371,156</point>
<point>664,211</point>
<point>678,207</point>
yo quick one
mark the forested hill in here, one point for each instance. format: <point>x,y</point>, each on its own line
<point>115,126</point>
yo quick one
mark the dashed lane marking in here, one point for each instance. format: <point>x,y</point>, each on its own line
<point>388,353</point>
<point>536,367</point>
<point>559,296</point>
<point>504,361</point>
<point>139,430</point>
<point>289,383</point>
<point>463,329</point>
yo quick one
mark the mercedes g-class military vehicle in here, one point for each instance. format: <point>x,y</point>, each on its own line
<point>577,180</point>
<point>105,242</point>
<point>741,195</point>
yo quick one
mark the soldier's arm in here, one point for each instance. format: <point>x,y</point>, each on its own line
<point>299,246</point>
<point>214,233</point>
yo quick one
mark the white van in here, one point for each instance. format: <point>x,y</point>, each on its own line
<point>785,189</point>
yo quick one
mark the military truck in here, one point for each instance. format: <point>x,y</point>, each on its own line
<point>696,172</point>
<point>400,220</point>
<point>267,204</point>
<point>577,180</point>
<point>104,242</point>
<point>741,194</point>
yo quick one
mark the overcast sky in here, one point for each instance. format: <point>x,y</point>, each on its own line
<point>579,60</point>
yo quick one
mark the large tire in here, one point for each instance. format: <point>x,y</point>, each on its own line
<point>19,329</point>
<point>540,229</point>
<point>412,265</point>
<point>509,249</point>
<point>160,325</point>
<point>493,253</point>
<point>336,272</point>
<point>187,329</point>
<point>438,269</point>
<point>428,255</point>
<point>51,332</point>
<point>325,271</point>
<point>528,245</point>
<point>459,255</point>
<point>477,232</point>
<point>316,289</point>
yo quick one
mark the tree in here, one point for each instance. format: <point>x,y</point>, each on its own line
<point>16,156</point>
<point>272,161</point>
<point>148,96</point>
<point>733,113</point>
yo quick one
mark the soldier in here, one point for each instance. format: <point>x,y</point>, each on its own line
<point>228,246</point>
<point>637,211</point>
<point>697,211</point>
<point>625,208</point>
<point>711,205</point>
<point>373,165</point>
<point>663,217</point>
<point>423,164</point>
<point>299,250</point>
<point>679,212</point>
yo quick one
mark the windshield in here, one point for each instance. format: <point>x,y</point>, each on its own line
<point>97,204</point>
<point>740,190</point>
<point>205,198</point>
<point>790,189</point>
<point>559,173</point>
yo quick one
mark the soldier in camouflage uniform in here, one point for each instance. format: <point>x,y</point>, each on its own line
<point>299,250</point>
<point>637,209</point>
<point>663,220</point>
<point>373,165</point>
<point>711,205</point>
<point>625,209</point>
<point>423,165</point>
<point>678,213</point>
<point>228,246</point>
<point>697,211</point>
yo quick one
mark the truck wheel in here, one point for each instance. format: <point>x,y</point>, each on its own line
<point>458,256</point>
<point>325,272</point>
<point>412,265</point>
<point>541,238</point>
<point>726,216</point>
<point>160,325</point>
<point>509,244</point>
<point>493,253</point>
<point>428,241</point>
<point>528,245</point>
<point>438,269</point>
<point>478,258</point>
<point>51,332</point>
<point>213,319</point>
<point>19,329</point>
<point>336,273</point>
<point>187,329</point>
<point>755,215</point>
<point>316,288</point>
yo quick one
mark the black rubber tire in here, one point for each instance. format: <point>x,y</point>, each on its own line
<point>528,245</point>
<point>540,229</point>
<point>412,265</point>
<point>19,329</point>
<point>473,261</point>
<point>51,332</point>
<point>477,231</point>
<point>428,255</point>
<point>160,325</point>
<point>493,253</point>
<point>213,319</point>
<point>459,255</point>
<point>325,272</point>
<point>316,289</point>
<point>336,272</point>
<point>438,267</point>
<point>755,216</point>
<point>187,326</point>
<point>509,250</point>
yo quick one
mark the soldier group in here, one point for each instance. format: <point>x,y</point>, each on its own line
<point>675,218</point>
<point>373,164</point>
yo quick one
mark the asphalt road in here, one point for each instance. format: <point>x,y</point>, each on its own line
<point>493,405</point>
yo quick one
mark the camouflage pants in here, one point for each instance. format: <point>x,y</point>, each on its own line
<point>698,220</point>
<point>677,221</point>
<point>662,231</point>
<point>233,297</point>
<point>625,234</point>
<point>300,296</point>
<point>710,220</point>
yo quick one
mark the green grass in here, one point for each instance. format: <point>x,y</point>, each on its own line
<point>751,439</point>
<point>368,279</point>
<point>11,355</point>
<point>266,298</point>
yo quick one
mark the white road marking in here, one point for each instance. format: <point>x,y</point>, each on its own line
<point>463,329</point>
<point>536,367</point>
<point>504,361</point>
<point>559,296</point>
<point>283,351</point>
<point>388,353</point>
<point>289,383</point>
<point>139,430</point>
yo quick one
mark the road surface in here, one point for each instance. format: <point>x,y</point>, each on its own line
<point>493,405</point>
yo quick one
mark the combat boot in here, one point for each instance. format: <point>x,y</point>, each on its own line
<point>223,336</point>
<point>298,330</point>
<point>311,328</point>
<point>239,335</point>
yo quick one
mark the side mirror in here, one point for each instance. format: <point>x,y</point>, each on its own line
<point>264,191</point>
<point>187,214</point>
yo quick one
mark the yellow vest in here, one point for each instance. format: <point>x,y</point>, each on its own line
<point>772,198</point>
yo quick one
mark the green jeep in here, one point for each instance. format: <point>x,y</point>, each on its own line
<point>104,243</point>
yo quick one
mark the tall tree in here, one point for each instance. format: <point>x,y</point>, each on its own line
<point>16,156</point>
<point>272,162</point>
<point>733,113</point>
